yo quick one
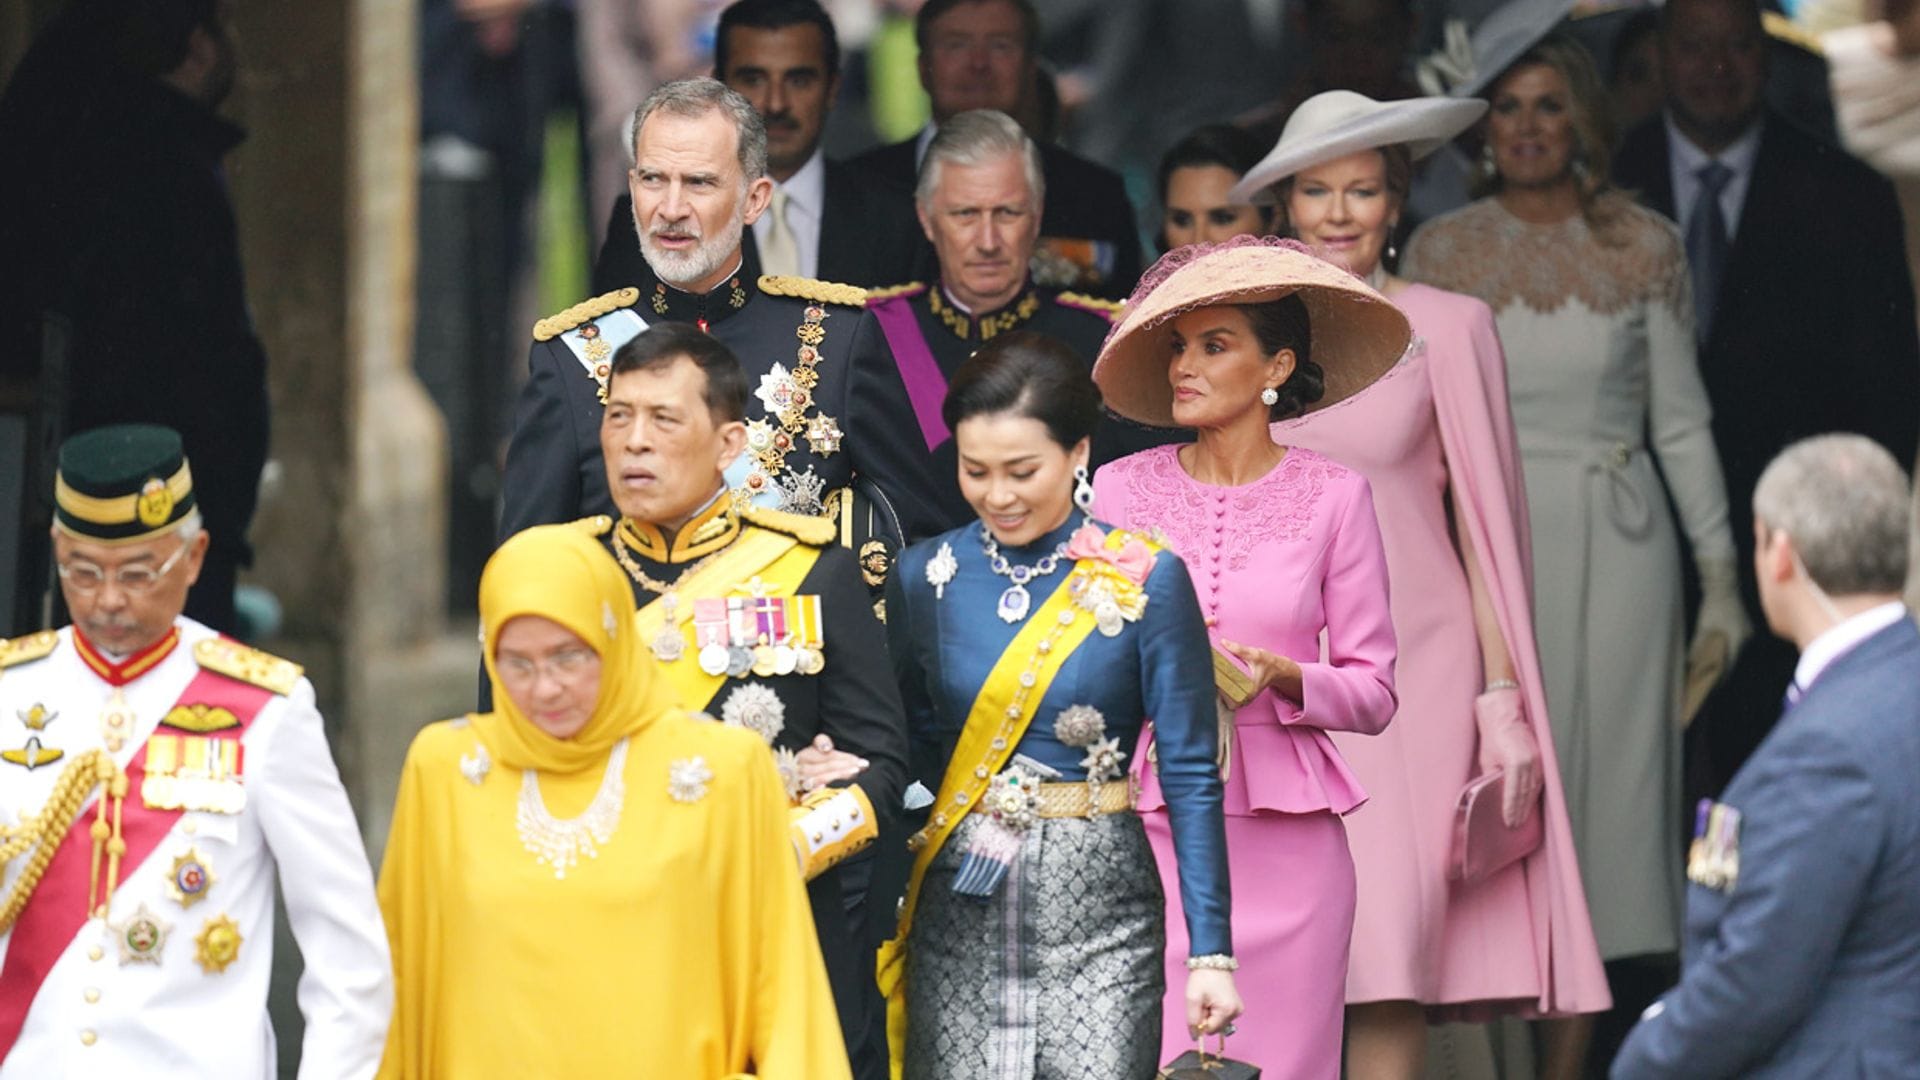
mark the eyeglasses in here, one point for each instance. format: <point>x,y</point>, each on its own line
<point>86,577</point>
<point>562,666</point>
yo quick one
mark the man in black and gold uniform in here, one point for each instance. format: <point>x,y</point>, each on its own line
<point>759,619</point>
<point>826,408</point>
<point>979,199</point>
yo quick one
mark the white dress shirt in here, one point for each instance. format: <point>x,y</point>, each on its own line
<point>806,202</point>
<point>1839,640</point>
<point>1684,159</point>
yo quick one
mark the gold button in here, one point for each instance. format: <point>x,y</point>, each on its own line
<point>88,1038</point>
<point>96,953</point>
<point>92,994</point>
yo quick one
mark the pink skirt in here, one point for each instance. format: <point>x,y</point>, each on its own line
<point>1293,897</point>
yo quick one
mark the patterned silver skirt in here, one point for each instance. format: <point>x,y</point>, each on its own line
<point>1058,975</point>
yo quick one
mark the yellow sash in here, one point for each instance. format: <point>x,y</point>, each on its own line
<point>780,563</point>
<point>985,746</point>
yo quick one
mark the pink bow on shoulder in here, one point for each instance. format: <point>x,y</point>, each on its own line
<point>1133,559</point>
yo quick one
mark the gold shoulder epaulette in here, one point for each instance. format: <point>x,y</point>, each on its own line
<point>586,311</point>
<point>911,288</point>
<point>597,525</point>
<point>27,647</point>
<point>818,532</point>
<point>806,288</point>
<point>249,665</point>
<point>1781,28</point>
<point>1107,309</point>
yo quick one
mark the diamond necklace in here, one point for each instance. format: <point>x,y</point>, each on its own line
<point>667,645</point>
<point>1016,601</point>
<point>559,844</point>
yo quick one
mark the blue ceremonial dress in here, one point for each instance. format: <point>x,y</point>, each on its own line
<point>1059,971</point>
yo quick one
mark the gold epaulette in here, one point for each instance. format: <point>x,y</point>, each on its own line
<point>806,288</point>
<point>1781,28</point>
<point>1107,309</point>
<point>249,665</point>
<point>911,288</point>
<point>815,531</point>
<point>597,525</point>
<point>586,311</point>
<point>27,647</point>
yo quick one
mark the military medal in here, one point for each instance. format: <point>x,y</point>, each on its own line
<point>116,721</point>
<point>194,772</point>
<point>710,634</point>
<point>190,878</point>
<point>217,945</point>
<point>739,634</point>
<point>668,646</point>
<point>808,637</point>
<point>36,717</point>
<point>141,936</point>
<point>32,755</point>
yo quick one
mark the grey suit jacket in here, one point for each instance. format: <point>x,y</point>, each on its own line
<point>1809,966</point>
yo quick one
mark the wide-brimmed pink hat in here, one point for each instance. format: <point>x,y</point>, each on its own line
<point>1357,335</point>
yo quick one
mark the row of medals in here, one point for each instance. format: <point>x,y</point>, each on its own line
<point>142,935</point>
<point>735,660</point>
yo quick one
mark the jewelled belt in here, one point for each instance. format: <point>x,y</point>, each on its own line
<point>1074,799</point>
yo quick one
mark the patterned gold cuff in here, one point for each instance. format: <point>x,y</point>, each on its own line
<point>1213,962</point>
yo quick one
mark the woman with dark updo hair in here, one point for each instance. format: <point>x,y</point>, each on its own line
<point>1226,339</point>
<point>1195,179</point>
<point>1030,646</point>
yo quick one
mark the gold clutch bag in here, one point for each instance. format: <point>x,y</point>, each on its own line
<point>1234,684</point>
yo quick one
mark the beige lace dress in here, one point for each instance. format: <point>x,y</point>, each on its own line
<point>1598,331</point>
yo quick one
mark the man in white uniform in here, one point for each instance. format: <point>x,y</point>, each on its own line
<point>155,780</point>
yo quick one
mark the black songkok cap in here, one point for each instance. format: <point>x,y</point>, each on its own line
<point>122,484</point>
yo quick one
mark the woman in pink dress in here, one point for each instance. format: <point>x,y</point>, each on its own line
<point>1436,441</point>
<point>1283,549</point>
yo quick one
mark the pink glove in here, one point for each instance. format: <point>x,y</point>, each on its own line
<point>1507,743</point>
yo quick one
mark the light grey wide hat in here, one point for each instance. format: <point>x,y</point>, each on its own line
<point>1331,125</point>
<point>1467,63</point>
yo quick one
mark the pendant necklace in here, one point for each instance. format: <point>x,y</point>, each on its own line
<point>1015,602</point>
<point>668,645</point>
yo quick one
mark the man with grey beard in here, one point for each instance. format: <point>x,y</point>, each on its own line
<point>830,428</point>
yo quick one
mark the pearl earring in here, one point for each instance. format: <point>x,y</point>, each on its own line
<point>1269,396</point>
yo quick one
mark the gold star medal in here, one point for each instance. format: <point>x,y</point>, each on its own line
<point>191,877</point>
<point>217,945</point>
<point>141,936</point>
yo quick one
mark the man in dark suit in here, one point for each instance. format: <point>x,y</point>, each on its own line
<point>826,219</point>
<point>116,219</point>
<point>827,403</point>
<point>981,54</point>
<point>1805,312</point>
<point>1802,951</point>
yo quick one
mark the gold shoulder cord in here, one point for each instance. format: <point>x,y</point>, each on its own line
<point>41,833</point>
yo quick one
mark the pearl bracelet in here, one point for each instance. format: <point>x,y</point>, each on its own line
<point>1213,962</point>
<point>1501,684</point>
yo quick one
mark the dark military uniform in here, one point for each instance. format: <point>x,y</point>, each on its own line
<point>826,404</point>
<point>919,319</point>
<point>789,587</point>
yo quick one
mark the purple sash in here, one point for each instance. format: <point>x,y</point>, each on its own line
<point>926,386</point>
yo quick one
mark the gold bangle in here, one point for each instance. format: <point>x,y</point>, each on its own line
<point>1213,962</point>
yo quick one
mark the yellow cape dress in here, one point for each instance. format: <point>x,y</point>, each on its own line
<point>681,947</point>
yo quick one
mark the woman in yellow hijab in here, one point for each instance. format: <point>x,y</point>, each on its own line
<point>586,881</point>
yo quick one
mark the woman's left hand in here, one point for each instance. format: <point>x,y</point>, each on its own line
<point>1270,671</point>
<point>1212,1001</point>
<point>822,765</point>
<point>1506,742</point>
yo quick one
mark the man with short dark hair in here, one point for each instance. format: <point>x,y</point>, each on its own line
<point>116,224</point>
<point>824,431</point>
<point>981,54</point>
<point>760,620</point>
<point>825,219</point>
<point>1805,307</point>
<point>1802,956</point>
